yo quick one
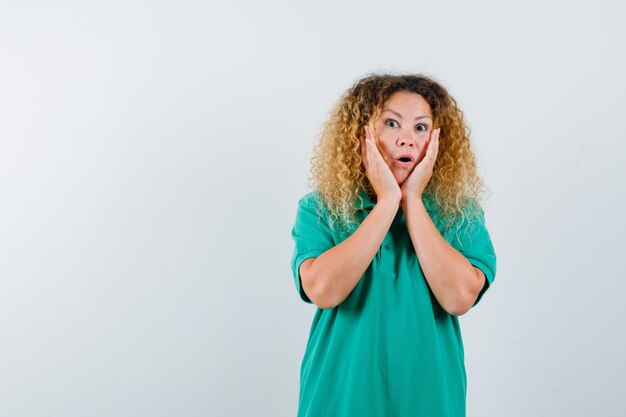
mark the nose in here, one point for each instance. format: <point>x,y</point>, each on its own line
<point>406,138</point>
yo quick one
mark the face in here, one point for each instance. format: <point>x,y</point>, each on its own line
<point>403,131</point>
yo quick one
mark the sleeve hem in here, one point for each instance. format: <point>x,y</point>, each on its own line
<point>489,275</point>
<point>296,271</point>
<point>483,267</point>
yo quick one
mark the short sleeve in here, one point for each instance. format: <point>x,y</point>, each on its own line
<point>311,236</point>
<point>470,237</point>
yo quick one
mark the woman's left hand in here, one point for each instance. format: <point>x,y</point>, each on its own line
<point>416,182</point>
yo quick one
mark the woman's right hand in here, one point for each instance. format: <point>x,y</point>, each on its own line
<point>377,171</point>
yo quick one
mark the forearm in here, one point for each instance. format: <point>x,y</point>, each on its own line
<point>452,279</point>
<point>336,272</point>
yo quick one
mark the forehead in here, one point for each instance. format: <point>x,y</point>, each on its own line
<point>405,102</point>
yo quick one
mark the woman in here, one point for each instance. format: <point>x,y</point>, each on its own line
<point>392,247</point>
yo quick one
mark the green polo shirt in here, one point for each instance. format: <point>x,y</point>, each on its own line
<point>389,349</point>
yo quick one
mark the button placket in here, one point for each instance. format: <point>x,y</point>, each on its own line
<point>385,255</point>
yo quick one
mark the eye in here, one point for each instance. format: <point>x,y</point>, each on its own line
<point>391,123</point>
<point>421,127</point>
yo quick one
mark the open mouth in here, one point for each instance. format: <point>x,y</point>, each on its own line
<point>404,158</point>
<point>404,161</point>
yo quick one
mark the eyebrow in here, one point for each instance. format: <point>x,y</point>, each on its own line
<point>400,116</point>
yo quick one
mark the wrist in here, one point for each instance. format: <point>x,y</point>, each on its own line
<point>412,200</point>
<point>389,201</point>
<point>394,196</point>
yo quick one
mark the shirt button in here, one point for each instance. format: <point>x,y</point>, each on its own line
<point>386,247</point>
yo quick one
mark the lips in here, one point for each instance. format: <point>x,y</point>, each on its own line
<point>404,161</point>
<point>405,158</point>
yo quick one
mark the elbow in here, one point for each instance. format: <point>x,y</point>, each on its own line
<point>457,309</point>
<point>458,306</point>
<point>317,288</point>
<point>325,305</point>
<point>321,297</point>
<point>464,298</point>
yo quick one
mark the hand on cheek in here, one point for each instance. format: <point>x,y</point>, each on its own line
<point>377,170</point>
<point>416,182</point>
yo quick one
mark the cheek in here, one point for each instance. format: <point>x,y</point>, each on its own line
<point>422,139</point>
<point>385,152</point>
<point>423,148</point>
<point>385,144</point>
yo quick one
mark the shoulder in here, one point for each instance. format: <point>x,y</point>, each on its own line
<point>313,200</point>
<point>312,204</point>
<point>466,219</point>
<point>471,204</point>
<point>429,202</point>
<point>473,212</point>
<point>310,198</point>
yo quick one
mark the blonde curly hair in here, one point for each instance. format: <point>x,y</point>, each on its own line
<point>337,171</point>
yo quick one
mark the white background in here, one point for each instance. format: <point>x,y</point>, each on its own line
<point>152,155</point>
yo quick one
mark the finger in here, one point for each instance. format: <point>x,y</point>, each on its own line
<point>435,148</point>
<point>433,145</point>
<point>376,148</point>
<point>374,154</point>
<point>376,140</point>
<point>434,138</point>
<point>365,140</point>
<point>364,153</point>
<point>367,134</point>
<point>371,133</point>
<point>373,137</point>
<point>434,135</point>
<point>371,148</point>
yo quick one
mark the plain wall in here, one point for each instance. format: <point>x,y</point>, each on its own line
<point>152,155</point>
